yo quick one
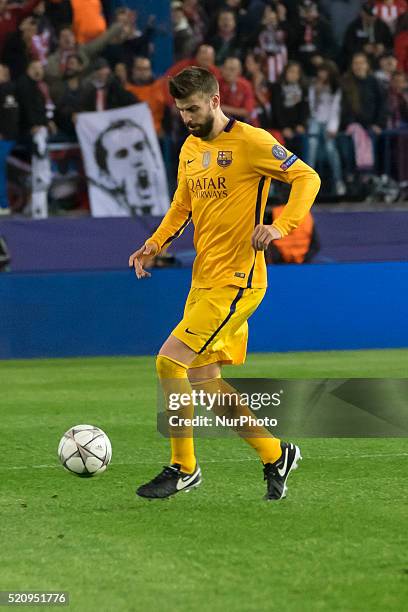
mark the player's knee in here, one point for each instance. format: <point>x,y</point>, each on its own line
<point>204,373</point>
<point>170,368</point>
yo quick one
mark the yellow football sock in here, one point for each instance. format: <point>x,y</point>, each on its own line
<point>266,445</point>
<point>173,379</point>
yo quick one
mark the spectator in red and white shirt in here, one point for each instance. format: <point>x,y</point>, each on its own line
<point>236,93</point>
<point>390,10</point>
<point>204,58</point>
<point>11,15</point>
<point>271,40</point>
<point>401,43</point>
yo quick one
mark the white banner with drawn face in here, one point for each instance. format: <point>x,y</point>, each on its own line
<point>123,162</point>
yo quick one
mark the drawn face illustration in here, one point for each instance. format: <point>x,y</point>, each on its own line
<point>127,158</point>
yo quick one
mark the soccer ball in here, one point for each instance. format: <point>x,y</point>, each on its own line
<point>85,450</point>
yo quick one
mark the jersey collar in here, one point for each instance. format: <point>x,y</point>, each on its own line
<point>229,125</point>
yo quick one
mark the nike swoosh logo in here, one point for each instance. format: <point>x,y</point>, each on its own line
<point>190,332</point>
<point>281,471</point>
<point>184,482</point>
<point>190,161</point>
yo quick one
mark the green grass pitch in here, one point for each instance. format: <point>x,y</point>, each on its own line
<point>337,543</point>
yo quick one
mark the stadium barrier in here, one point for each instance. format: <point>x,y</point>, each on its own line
<point>105,244</point>
<point>313,307</point>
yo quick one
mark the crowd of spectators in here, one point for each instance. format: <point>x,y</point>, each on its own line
<point>329,93</point>
<point>281,65</point>
<point>284,67</point>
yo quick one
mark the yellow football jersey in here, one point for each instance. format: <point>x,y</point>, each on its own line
<point>223,186</point>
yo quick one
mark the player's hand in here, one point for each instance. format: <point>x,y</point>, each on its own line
<point>141,257</point>
<point>263,235</point>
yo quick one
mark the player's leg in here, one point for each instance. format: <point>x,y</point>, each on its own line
<point>229,342</point>
<point>278,458</point>
<point>172,364</point>
<point>183,473</point>
<point>204,314</point>
<point>208,378</point>
<point>229,346</point>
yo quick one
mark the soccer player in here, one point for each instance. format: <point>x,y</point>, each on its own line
<point>225,170</point>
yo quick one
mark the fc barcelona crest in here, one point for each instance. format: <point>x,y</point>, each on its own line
<point>224,158</point>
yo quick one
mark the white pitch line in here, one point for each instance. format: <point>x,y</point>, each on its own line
<point>337,457</point>
<point>359,456</point>
<point>45,467</point>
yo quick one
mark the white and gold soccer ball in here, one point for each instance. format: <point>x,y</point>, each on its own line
<point>85,450</point>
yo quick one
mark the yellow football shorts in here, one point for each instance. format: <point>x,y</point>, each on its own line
<point>215,325</point>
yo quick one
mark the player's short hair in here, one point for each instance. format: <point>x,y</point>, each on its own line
<point>191,81</point>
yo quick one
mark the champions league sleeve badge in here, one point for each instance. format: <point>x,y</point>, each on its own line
<point>279,152</point>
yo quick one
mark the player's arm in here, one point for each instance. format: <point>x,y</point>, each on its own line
<point>269,158</point>
<point>172,226</point>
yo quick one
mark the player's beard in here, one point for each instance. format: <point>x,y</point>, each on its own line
<point>205,129</point>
